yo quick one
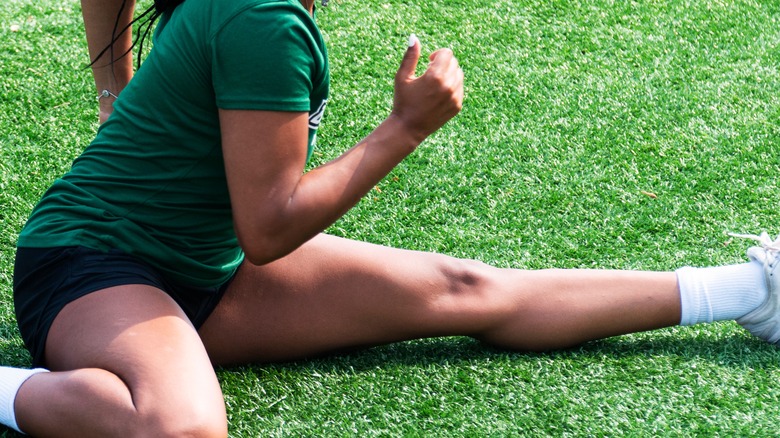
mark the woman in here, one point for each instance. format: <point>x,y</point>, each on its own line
<point>188,235</point>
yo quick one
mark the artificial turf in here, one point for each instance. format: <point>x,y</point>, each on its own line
<point>594,134</point>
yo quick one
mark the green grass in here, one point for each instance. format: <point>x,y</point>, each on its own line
<point>575,112</point>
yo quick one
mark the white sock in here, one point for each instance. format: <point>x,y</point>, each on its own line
<point>720,293</point>
<point>11,380</point>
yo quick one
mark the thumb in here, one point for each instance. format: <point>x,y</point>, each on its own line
<point>409,62</point>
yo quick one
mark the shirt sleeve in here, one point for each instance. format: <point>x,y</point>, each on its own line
<point>264,58</point>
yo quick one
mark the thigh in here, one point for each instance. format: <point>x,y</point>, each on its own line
<point>139,334</point>
<point>334,294</point>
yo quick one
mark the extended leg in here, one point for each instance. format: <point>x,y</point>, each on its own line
<point>334,294</point>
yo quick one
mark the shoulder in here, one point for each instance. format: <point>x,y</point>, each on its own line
<point>211,17</point>
<point>259,14</point>
<point>267,54</point>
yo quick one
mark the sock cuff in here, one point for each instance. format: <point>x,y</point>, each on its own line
<point>11,379</point>
<point>689,304</point>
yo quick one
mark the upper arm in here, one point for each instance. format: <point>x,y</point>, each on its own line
<point>265,154</point>
<point>267,69</point>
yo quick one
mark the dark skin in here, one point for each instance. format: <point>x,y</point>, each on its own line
<point>298,206</point>
<point>133,363</point>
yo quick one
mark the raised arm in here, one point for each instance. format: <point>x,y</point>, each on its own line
<point>112,71</point>
<point>277,207</point>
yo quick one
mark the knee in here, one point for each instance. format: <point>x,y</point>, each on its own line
<point>185,426</point>
<point>139,414</point>
<point>492,305</point>
<point>465,277</point>
<point>469,288</point>
<point>185,421</point>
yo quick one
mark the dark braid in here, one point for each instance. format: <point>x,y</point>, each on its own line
<point>145,21</point>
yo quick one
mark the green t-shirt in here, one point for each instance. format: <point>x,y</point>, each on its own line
<point>152,183</point>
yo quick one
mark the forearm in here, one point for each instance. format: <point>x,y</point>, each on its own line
<point>338,185</point>
<point>276,209</point>
<point>112,71</point>
<point>326,193</point>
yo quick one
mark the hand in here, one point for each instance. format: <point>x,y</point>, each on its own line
<point>424,104</point>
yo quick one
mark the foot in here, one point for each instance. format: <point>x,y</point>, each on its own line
<point>764,321</point>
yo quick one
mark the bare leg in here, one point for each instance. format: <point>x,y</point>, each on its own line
<point>334,294</point>
<point>126,362</point>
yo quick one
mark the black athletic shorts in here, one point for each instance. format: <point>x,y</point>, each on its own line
<point>46,279</point>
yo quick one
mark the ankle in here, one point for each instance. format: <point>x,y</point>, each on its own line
<point>720,293</point>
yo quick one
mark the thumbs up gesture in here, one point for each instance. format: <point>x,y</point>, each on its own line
<point>426,103</point>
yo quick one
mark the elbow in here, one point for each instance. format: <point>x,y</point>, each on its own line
<point>268,237</point>
<point>261,251</point>
<point>255,257</point>
<point>262,247</point>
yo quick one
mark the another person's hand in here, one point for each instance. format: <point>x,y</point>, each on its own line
<point>427,102</point>
<point>109,54</point>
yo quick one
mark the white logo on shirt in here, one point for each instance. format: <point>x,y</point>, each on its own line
<point>316,117</point>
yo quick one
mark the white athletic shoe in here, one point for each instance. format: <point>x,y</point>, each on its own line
<point>764,321</point>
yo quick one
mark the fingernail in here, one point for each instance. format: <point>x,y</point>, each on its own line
<point>412,39</point>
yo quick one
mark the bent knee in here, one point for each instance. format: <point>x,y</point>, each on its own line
<point>184,422</point>
<point>182,415</point>
<point>140,414</point>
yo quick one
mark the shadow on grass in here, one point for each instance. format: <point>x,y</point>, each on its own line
<point>12,350</point>
<point>731,347</point>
